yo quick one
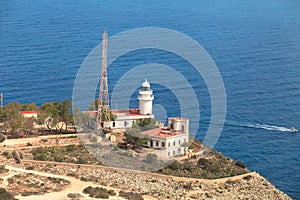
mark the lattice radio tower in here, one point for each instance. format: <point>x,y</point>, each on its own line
<point>103,115</point>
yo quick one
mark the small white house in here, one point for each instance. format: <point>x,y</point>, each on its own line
<point>169,140</point>
<point>29,114</point>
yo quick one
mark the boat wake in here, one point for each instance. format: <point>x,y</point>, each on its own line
<point>270,127</point>
<point>265,126</point>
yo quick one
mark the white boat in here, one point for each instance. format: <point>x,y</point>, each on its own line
<point>293,130</point>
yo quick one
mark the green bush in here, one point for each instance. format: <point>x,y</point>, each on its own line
<point>2,137</point>
<point>3,169</point>
<point>81,161</point>
<point>240,164</point>
<point>6,155</point>
<point>248,177</point>
<point>131,195</point>
<point>28,144</point>
<point>203,162</point>
<point>29,168</point>
<point>71,174</point>
<point>98,192</point>
<point>5,195</point>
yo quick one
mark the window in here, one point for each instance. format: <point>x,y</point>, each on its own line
<point>182,128</point>
<point>163,144</point>
<point>178,141</point>
<point>169,153</point>
<point>125,123</point>
<point>157,143</point>
<point>114,124</point>
<point>184,140</point>
<point>172,126</point>
<point>174,153</point>
<point>169,144</point>
<point>174,143</point>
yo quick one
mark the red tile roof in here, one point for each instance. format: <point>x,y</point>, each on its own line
<point>161,132</point>
<point>130,112</point>
<point>30,112</point>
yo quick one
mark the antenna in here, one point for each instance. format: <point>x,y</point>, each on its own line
<point>103,115</point>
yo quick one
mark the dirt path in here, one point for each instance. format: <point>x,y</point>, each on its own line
<point>206,181</point>
<point>76,186</point>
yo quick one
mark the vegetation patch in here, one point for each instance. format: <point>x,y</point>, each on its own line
<point>30,184</point>
<point>213,166</point>
<point>74,196</point>
<point>98,192</point>
<point>6,195</point>
<point>72,154</point>
<point>7,155</point>
<point>131,195</point>
<point>3,169</point>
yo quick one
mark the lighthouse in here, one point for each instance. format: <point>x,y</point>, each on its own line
<point>145,99</point>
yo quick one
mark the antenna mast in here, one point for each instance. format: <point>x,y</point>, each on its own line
<point>103,115</point>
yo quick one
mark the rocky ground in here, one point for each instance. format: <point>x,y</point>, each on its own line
<point>60,180</point>
<point>248,186</point>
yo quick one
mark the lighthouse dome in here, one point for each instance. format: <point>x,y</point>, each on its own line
<point>146,84</point>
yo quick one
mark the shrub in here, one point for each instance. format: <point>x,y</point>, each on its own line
<point>81,161</point>
<point>6,155</point>
<point>248,177</point>
<point>187,186</point>
<point>175,165</point>
<point>58,159</point>
<point>28,144</point>
<point>240,164</point>
<point>70,148</point>
<point>71,174</point>
<point>3,169</point>
<point>2,137</point>
<point>29,168</point>
<point>74,196</point>
<point>203,162</point>
<point>98,192</point>
<point>192,146</point>
<point>131,195</point>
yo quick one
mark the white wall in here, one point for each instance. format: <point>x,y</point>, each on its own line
<point>172,150</point>
<point>121,124</point>
<point>177,149</point>
<point>145,107</point>
<point>179,125</point>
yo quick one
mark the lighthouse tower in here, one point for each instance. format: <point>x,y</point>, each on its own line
<point>145,99</point>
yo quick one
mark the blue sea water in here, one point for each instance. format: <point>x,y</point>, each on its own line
<point>255,44</point>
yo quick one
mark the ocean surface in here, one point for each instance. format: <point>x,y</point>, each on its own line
<point>255,44</point>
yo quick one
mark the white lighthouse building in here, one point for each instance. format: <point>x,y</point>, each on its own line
<point>126,118</point>
<point>145,98</point>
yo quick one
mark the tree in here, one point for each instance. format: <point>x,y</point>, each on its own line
<point>10,115</point>
<point>146,124</point>
<point>29,107</point>
<point>49,114</point>
<point>135,138</point>
<point>81,119</point>
<point>28,124</point>
<point>64,112</point>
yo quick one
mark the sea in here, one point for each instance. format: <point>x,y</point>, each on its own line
<point>255,45</point>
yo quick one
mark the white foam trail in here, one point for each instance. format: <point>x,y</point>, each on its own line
<point>269,127</point>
